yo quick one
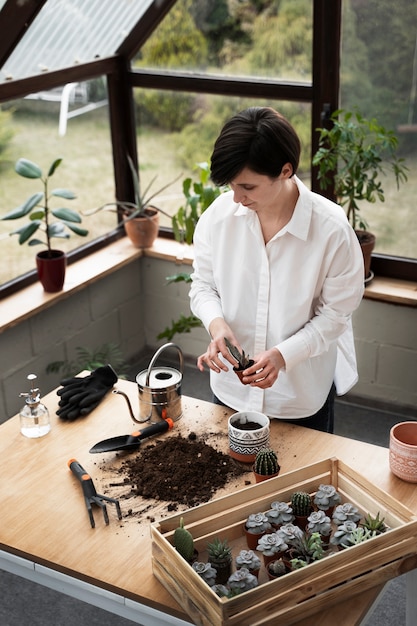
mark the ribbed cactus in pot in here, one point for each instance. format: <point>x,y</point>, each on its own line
<point>266,464</point>
<point>302,506</point>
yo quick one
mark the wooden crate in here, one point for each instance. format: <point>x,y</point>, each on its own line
<point>302,592</point>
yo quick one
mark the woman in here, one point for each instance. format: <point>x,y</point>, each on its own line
<point>278,270</point>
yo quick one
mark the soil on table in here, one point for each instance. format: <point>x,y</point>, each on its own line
<point>180,470</point>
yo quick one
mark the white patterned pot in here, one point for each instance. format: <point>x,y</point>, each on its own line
<point>403,451</point>
<point>243,443</point>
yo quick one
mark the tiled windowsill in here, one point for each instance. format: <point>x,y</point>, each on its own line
<point>33,299</point>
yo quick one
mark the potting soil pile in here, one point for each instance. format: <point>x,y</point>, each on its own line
<point>179,470</point>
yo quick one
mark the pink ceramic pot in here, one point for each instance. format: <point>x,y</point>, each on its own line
<point>403,451</point>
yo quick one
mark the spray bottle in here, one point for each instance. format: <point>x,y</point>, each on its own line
<point>34,416</point>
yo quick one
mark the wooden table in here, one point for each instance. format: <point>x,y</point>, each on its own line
<point>45,534</point>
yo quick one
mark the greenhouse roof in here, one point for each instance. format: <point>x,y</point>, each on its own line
<point>43,37</point>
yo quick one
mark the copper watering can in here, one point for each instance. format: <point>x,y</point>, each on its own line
<point>159,390</point>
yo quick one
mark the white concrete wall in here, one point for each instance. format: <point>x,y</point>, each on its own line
<point>132,305</point>
<point>108,311</point>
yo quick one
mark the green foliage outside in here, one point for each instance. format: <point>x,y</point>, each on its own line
<point>6,133</point>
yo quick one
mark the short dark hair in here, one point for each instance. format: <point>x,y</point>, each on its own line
<point>259,138</point>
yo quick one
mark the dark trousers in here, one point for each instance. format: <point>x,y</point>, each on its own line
<point>322,420</point>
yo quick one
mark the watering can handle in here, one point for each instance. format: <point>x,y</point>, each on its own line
<point>158,353</point>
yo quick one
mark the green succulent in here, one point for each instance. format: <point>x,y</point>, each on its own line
<point>376,523</point>
<point>219,549</point>
<point>242,358</point>
<point>183,541</point>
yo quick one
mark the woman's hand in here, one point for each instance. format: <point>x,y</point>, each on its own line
<point>218,331</point>
<point>264,372</point>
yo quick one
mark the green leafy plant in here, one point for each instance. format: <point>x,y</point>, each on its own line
<point>91,359</point>
<point>199,194</point>
<point>141,205</point>
<point>37,208</point>
<point>266,462</point>
<point>198,197</point>
<point>357,151</point>
<point>358,535</point>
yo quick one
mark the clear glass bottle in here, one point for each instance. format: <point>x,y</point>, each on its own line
<point>34,416</point>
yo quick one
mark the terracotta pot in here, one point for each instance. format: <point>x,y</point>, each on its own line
<point>275,576</point>
<point>245,442</point>
<point>142,231</point>
<point>252,538</point>
<point>51,269</point>
<point>403,451</point>
<point>259,478</point>
<point>367,242</point>
<point>239,372</point>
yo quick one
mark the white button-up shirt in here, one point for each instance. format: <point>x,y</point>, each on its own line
<point>297,292</point>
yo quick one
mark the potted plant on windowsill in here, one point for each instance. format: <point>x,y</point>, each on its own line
<point>358,152</point>
<point>55,223</point>
<point>140,217</point>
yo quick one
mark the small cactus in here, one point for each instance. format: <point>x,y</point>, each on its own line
<point>183,541</point>
<point>301,503</point>
<point>242,358</point>
<point>266,462</point>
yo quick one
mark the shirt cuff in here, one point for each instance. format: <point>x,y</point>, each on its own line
<point>294,350</point>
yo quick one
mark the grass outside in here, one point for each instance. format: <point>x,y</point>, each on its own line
<point>87,170</point>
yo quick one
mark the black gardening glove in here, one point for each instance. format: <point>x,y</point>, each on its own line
<point>79,396</point>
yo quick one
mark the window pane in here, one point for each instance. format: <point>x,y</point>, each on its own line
<point>69,32</point>
<point>378,76</point>
<point>249,38</point>
<point>178,130</point>
<point>86,168</point>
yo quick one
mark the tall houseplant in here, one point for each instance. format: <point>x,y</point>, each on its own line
<point>54,223</point>
<point>198,194</point>
<point>358,152</point>
<point>140,217</point>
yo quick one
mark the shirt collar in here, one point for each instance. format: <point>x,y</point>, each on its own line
<point>299,223</point>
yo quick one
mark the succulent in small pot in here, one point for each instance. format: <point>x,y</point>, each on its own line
<point>302,506</point>
<point>266,464</point>
<point>345,512</point>
<point>242,580</point>
<point>184,542</point>
<point>319,522</point>
<point>220,556</point>
<point>277,568</point>
<point>271,545</point>
<point>206,571</point>
<point>326,498</point>
<point>290,532</point>
<point>358,535</point>
<point>280,513</point>
<point>376,523</point>
<point>343,533</point>
<point>308,547</point>
<point>248,559</point>
<point>243,359</point>
<point>256,524</point>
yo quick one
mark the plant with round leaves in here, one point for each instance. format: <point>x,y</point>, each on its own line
<point>54,222</point>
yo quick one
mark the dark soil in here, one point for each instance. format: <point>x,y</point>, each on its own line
<point>246,425</point>
<point>180,471</point>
